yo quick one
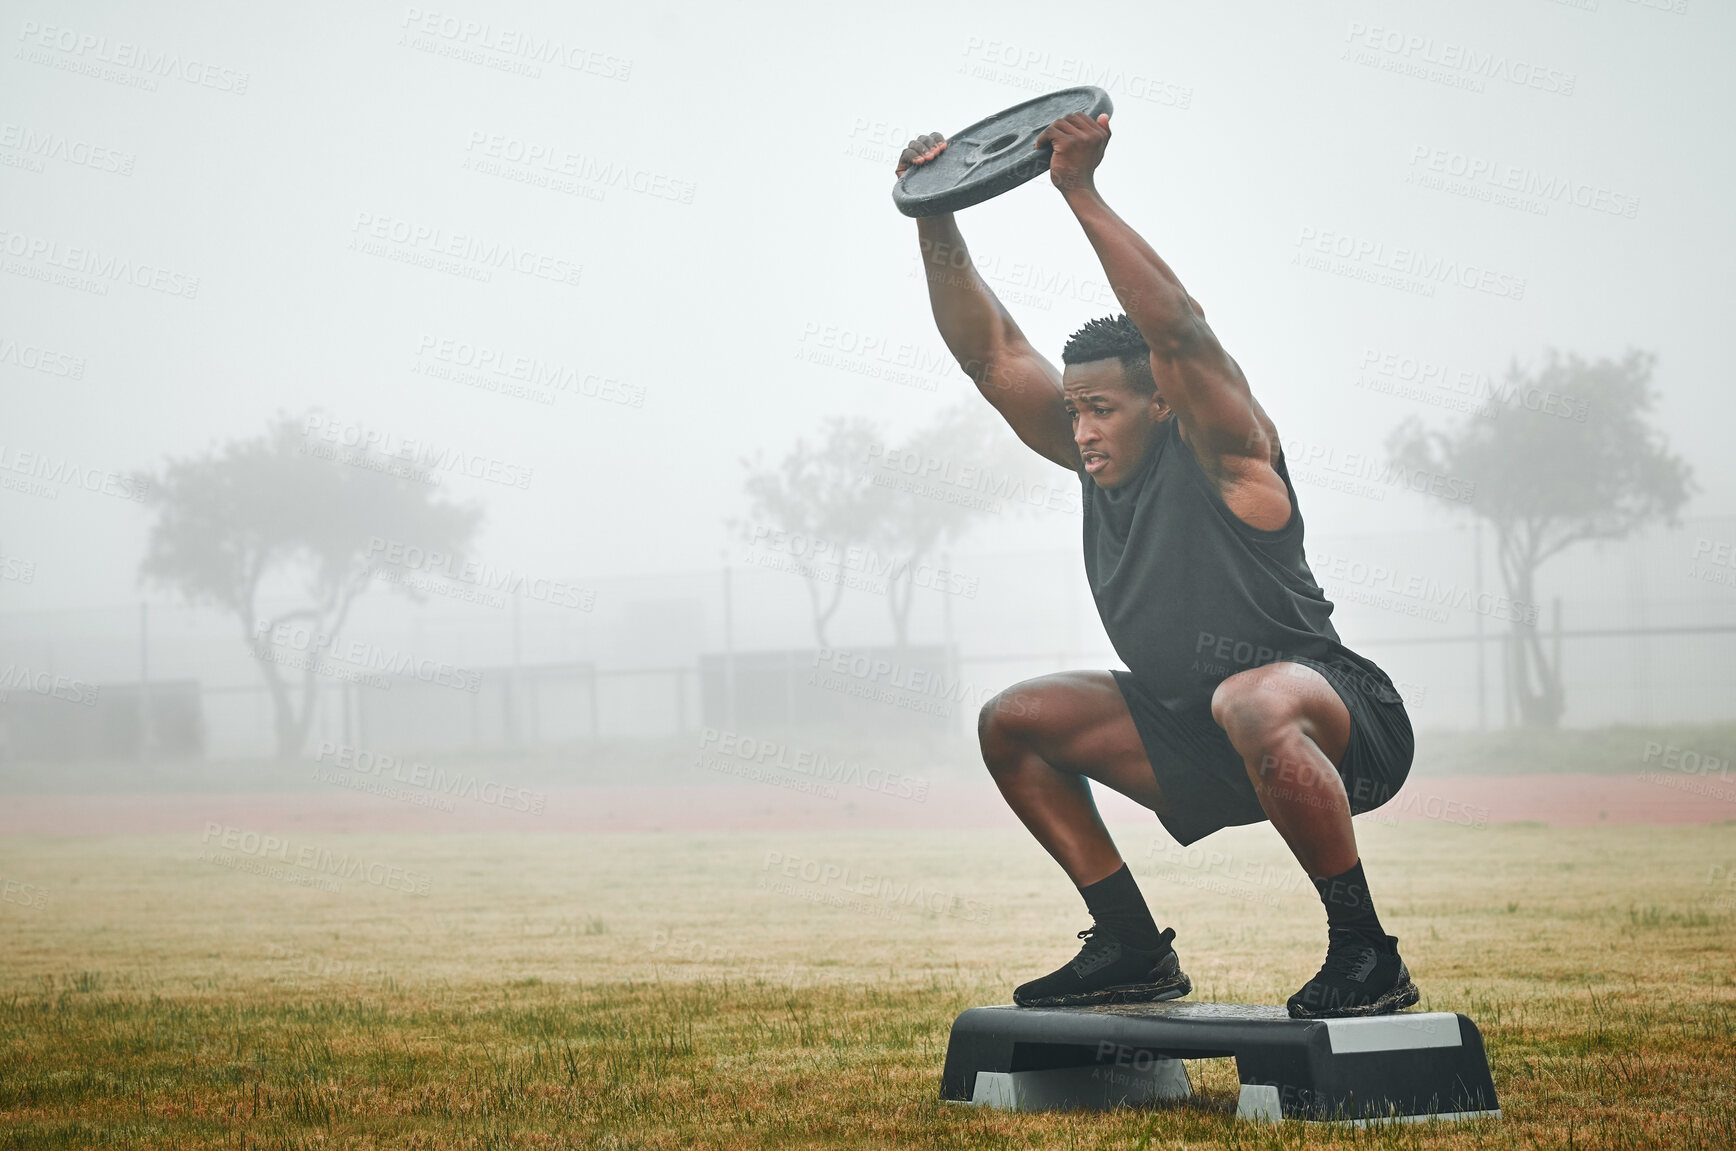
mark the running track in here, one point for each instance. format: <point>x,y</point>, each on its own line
<point>1558,800</point>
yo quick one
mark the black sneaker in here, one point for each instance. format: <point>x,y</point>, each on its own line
<point>1107,970</point>
<point>1363,975</point>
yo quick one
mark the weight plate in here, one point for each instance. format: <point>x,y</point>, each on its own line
<point>993,155</point>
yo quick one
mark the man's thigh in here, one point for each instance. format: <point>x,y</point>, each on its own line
<point>1078,721</point>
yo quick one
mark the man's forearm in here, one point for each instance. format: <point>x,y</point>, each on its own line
<point>1150,292</point>
<point>971,320</point>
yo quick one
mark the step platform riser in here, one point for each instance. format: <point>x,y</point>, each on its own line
<point>1404,1067</point>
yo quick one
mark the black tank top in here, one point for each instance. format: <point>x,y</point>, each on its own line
<point>1190,594</point>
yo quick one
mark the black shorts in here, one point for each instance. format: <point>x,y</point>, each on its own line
<point>1205,783</point>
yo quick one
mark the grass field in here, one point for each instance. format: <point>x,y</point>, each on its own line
<point>742,990</point>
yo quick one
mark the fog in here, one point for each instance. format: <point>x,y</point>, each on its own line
<point>214,217</point>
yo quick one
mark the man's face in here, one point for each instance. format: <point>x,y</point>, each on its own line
<point>1113,422</point>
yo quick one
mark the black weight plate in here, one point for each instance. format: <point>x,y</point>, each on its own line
<point>993,155</point>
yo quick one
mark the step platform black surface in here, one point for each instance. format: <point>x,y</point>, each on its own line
<point>1404,1066</point>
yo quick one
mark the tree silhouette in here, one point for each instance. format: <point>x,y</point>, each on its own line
<point>820,498</point>
<point>859,510</point>
<point>268,513</point>
<point>1569,457</point>
<point>949,473</point>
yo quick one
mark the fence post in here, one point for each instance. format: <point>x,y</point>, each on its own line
<point>1509,653</point>
<point>1482,671</point>
<point>595,727</point>
<point>728,647</point>
<point>144,717</point>
<point>1555,650</point>
<point>509,706</point>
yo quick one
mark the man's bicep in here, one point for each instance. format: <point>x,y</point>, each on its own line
<point>1210,395</point>
<point>1025,389</point>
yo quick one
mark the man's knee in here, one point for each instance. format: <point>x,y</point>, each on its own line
<point>1253,705</point>
<point>1012,716</point>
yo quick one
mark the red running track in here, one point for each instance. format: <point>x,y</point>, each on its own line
<point>1557,800</point>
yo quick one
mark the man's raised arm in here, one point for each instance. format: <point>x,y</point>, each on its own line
<point>1023,386</point>
<point>1203,385</point>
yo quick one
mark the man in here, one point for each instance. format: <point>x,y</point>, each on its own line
<point>1241,703</point>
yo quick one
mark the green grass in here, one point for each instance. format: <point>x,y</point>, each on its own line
<point>651,991</point>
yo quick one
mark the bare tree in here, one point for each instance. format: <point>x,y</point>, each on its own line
<point>1570,457</point>
<point>812,509</point>
<point>265,511</point>
<point>944,478</point>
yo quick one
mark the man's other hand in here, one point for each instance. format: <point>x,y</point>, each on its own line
<point>920,151</point>
<point>1079,142</point>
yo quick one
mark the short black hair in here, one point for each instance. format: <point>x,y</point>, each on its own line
<point>1113,338</point>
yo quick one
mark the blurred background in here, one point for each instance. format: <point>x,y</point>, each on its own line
<point>528,385</point>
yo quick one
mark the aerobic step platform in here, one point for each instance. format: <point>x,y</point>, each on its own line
<point>1391,1067</point>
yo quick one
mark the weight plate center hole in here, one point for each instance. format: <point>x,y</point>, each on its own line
<point>997,145</point>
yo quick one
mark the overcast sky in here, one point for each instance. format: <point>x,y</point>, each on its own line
<point>697,202</point>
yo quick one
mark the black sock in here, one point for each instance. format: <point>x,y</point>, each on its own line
<point>1117,905</point>
<point>1348,903</point>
